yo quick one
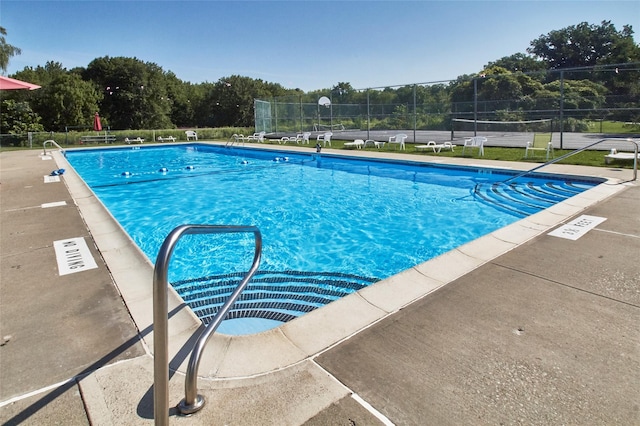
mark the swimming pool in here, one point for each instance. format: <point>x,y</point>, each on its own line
<point>331,225</point>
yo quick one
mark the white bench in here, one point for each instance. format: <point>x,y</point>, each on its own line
<point>98,138</point>
<point>191,134</point>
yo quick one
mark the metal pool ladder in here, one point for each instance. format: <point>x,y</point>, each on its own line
<point>52,142</point>
<point>235,139</point>
<point>192,401</point>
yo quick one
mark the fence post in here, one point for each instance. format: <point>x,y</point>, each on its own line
<point>368,116</point>
<point>415,113</point>
<point>475,107</point>
<point>561,107</point>
<point>301,115</point>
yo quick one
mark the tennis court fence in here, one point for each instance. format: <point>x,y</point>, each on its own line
<point>461,108</point>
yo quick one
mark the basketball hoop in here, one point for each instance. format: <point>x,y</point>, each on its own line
<point>324,101</point>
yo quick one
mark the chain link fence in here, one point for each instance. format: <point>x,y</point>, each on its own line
<point>584,100</point>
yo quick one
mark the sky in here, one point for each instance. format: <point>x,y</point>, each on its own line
<point>309,45</point>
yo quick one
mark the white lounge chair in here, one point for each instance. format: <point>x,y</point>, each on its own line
<point>325,137</point>
<point>377,144</point>
<point>137,140</point>
<point>436,147</point>
<point>476,142</point>
<point>167,139</point>
<point>358,143</point>
<point>399,139</point>
<point>614,155</point>
<point>191,135</point>
<point>258,137</point>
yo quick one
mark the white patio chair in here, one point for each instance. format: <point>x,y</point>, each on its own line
<point>476,142</point>
<point>399,139</point>
<point>325,137</point>
<point>302,138</point>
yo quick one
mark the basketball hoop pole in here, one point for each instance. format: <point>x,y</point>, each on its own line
<point>327,103</point>
<point>475,107</point>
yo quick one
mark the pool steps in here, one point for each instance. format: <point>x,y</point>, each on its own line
<point>528,198</point>
<point>276,295</point>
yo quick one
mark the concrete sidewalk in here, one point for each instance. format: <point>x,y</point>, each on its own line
<point>55,328</point>
<point>544,333</point>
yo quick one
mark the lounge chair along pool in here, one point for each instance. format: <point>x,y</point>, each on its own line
<point>358,143</point>
<point>436,147</point>
<point>619,156</point>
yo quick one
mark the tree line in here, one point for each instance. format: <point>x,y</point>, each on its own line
<point>594,66</point>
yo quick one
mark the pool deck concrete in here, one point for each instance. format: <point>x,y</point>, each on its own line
<point>518,327</point>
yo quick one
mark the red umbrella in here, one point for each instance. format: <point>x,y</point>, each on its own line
<point>7,83</point>
<point>97,125</point>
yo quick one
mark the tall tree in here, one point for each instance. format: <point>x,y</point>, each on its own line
<point>519,62</point>
<point>229,101</point>
<point>182,99</point>
<point>585,45</point>
<point>17,118</point>
<point>42,75</point>
<point>6,50</point>
<point>67,101</point>
<point>64,99</point>
<point>496,88</point>
<point>135,92</point>
<point>342,92</point>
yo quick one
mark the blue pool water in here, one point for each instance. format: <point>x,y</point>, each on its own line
<point>331,225</point>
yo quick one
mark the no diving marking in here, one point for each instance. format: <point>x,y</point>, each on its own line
<point>73,255</point>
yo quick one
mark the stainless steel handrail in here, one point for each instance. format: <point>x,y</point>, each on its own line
<point>235,139</point>
<point>569,154</point>
<point>52,142</point>
<point>584,148</point>
<point>192,402</point>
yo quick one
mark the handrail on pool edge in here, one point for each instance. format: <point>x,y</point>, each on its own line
<point>52,142</point>
<point>192,401</point>
<point>569,154</point>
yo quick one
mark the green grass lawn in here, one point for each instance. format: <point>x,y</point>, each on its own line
<point>585,158</point>
<point>616,127</point>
